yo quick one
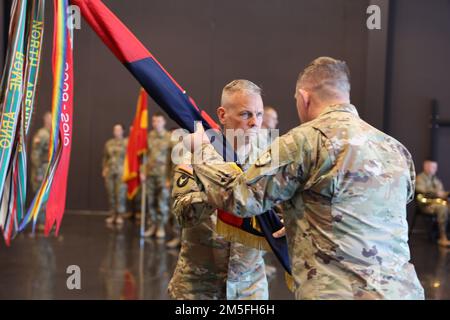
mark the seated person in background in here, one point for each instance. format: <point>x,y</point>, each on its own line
<point>429,185</point>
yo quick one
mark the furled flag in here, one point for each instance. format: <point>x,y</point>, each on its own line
<point>137,146</point>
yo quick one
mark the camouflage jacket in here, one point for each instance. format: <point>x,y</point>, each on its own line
<point>39,149</point>
<point>159,152</point>
<point>114,156</point>
<point>344,186</point>
<point>206,261</point>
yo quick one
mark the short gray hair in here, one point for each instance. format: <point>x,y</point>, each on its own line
<point>241,86</point>
<point>325,76</point>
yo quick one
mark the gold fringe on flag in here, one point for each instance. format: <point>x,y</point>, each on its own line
<point>234,234</point>
<point>289,281</point>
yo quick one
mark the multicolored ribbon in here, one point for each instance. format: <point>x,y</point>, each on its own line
<point>14,192</point>
<point>10,100</point>
<point>53,187</point>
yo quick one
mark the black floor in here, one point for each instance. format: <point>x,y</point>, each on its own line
<point>115,264</point>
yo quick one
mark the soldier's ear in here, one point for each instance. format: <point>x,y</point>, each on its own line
<point>306,97</point>
<point>221,114</point>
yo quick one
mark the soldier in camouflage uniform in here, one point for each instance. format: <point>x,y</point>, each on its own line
<point>113,159</point>
<point>344,186</point>
<point>209,267</point>
<point>158,168</point>
<point>429,185</point>
<point>175,242</point>
<point>39,160</point>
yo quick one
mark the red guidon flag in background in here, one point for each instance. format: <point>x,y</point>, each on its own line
<point>137,146</point>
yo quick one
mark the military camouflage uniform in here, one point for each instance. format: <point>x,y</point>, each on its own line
<point>113,159</point>
<point>174,225</point>
<point>430,186</point>
<point>208,267</point>
<point>158,168</point>
<point>201,270</point>
<point>39,157</point>
<point>345,186</point>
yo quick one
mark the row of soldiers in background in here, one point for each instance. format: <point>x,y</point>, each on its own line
<point>157,178</point>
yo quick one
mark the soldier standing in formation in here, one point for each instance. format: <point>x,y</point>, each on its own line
<point>209,267</point>
<point>429,185</point>
<point>39,160</point>
<point>158,168</point>
<point>344,186</point>
<point>113,160</point>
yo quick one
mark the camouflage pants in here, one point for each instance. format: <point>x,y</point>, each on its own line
<point>134,204</point>
<point>247,278</point>
<point>117,193</point>
<point>37,175</point>
<point>173,223</point>
<point>158,200</point>
<point>441,212</point>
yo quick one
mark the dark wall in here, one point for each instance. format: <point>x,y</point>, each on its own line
<point>204,44</point>
<point>420,72</point>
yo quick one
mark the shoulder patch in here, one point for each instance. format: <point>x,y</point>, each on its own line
<point>183,180</point>
<point>186,168</point>
<point>264,159</point>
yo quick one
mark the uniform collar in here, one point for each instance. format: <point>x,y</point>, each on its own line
<point>160,134</point>
<point>344,107</point>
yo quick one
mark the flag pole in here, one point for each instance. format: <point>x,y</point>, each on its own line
<point>143,194</point>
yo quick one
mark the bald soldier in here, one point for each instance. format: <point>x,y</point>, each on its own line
<point>209,267</point>
<point>344,186</point>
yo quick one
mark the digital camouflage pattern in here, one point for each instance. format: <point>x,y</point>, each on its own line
<point>202,266</point>
<point>113,160</point>
<point>159,151</point>
<point>209,267</point>
<point>344,186</point>
<point>158,168</point>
